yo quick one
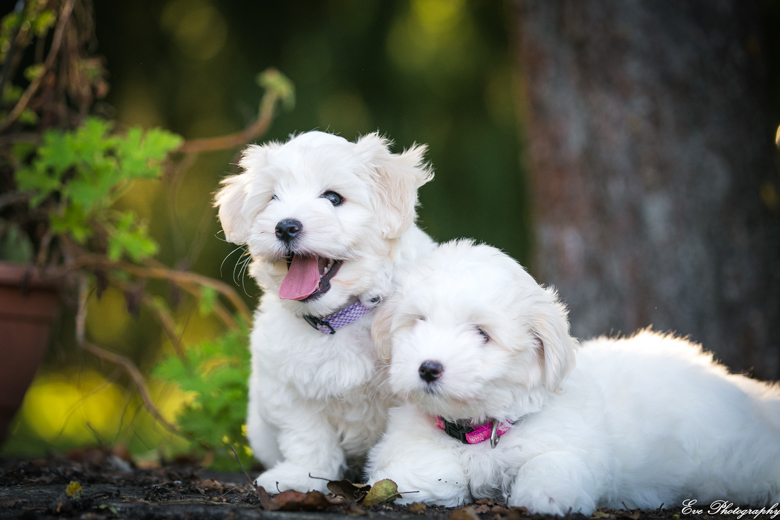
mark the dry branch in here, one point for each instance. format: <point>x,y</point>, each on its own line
<point>32,88</point>
<point>251,133</point>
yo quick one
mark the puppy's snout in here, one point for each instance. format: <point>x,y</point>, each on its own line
<point>288,229</point>
<point>430,371</point>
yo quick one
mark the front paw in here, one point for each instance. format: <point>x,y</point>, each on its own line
<point>286,476</point>
<point>552,500</point>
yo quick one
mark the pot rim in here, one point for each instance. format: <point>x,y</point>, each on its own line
<point>15,274</point>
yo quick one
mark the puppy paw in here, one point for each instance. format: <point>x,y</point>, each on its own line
<point>547,502</point>
<point>288,476</point>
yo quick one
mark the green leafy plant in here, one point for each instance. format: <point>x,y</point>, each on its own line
<point>216,374</point>
<point>81,173</point>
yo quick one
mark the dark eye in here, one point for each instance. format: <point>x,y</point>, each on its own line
<point>274,197</point>
<point>333,197</point>
<point>422,318</point>
<point>483,334</point>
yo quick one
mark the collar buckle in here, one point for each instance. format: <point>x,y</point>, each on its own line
<point>457,431</point>
<point>317,323</point>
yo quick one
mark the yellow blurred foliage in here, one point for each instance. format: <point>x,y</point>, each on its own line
<point>58,407</point>
<point>435,38</point>
<point>82,407</point>
<point>107,317</point>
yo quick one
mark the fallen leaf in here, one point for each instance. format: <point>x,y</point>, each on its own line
<point>499,510</point>
<point>484,502</point>
<point>599,514</point>
<point>296,501</point>
<point>266,502</point>
<point>74,490</point>
<point>466,513</point>
<point>347,489</point>
<point>355,510</point>
<point>482,509</point>
<point>336,500</point>
<point>417,508</point>
<point>210,484</point>
<point>383,491</point>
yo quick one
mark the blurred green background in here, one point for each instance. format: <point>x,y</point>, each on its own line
<point>427,71</point>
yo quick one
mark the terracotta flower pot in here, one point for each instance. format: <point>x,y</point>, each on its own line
<point>28,306</point>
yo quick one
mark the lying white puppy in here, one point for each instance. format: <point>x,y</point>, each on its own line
<point>327,223</point>
<point>644,421</point>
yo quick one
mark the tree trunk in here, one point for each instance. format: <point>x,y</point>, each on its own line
<point>653,181</point>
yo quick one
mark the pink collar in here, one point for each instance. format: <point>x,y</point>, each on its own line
<point>474,434</point>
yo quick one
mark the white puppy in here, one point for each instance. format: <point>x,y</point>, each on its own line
<point>327,223</point>
<point>643,421</point>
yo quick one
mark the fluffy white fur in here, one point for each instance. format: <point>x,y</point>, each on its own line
<point>642,421</point>
<point>314,399</point>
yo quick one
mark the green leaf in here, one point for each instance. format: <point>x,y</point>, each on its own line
<point>28,117</point>
<point>43,22</point>
<point>131,238</point>
<point>72,221</point>
<point>141,155</point>
<point>37,180</point>
<point>383,491</point>
<point>12,93</point>
<point>272,79</point>
<point>208,297</point>
<point>33,71</point>
<point>57,152</point>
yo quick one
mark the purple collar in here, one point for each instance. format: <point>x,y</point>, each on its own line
<point>474,434</point>
<point>330,324</point>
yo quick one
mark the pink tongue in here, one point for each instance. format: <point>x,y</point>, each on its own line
<point>302,278</point>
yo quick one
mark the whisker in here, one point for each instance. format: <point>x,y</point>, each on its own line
<point>242,275</point>
<point>225,259</point>
<point>240,262</point>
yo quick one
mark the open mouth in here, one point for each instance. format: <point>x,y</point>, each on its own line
<point>308,277</point>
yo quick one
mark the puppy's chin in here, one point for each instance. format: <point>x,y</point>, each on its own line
<point>435,403</point>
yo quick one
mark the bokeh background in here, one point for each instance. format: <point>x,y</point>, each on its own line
<point>440,72</point>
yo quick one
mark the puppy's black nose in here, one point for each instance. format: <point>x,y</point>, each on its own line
<point>288,229</point>
<point>430,371</point>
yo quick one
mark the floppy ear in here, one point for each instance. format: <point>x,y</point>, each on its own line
<point>551,328</point>
<point>234,196</point>
<point>380,330</point>
<point>398,176</point>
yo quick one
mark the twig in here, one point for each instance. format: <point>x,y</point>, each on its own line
<point>167,322</point>
<point>251,482</point>
<point>155,272</point>
<point>137,378</point>
<point>32,88</point>
<point>129,366</point>
<point>13,197</point>
<point>251,133</point>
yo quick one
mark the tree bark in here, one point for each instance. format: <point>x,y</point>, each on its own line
<point>652,170</point>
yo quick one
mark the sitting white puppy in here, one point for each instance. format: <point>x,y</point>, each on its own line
<point>327,223</point>
<point>483,357</point>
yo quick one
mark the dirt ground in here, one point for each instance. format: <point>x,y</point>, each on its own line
<point>96,484</point>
